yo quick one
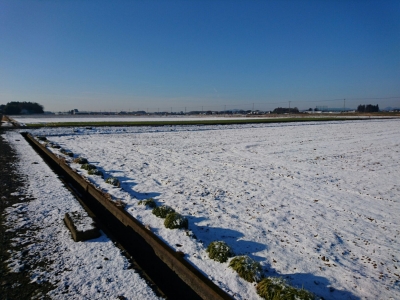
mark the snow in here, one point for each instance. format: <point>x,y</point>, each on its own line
<point>6,124</point>
<point>94,269</point>
<point>44,119</point>
<point>316,203</point>
<point>39,119</point>
<point>82,221</point>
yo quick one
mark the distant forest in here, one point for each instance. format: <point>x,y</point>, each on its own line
<point>368,108</point>
<point>284,110</point>
<point>18,108</point>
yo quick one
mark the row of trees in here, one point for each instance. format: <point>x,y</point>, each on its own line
<point>17,108</point>
<point>361,108</point>
<point>368,108</point>
<point>284,110</point>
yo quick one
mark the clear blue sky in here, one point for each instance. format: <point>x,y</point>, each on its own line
<point>130,55</point>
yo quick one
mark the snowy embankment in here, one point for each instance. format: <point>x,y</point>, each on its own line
<point>94,269</point>
<point>317,203</point>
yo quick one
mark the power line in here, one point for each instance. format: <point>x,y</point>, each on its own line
<point>251,105</point>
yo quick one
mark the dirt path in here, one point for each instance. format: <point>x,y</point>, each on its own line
<point>13,285</point>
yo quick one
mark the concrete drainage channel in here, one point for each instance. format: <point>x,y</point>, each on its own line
<point>167,269</point>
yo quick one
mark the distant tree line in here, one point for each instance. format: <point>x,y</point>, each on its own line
<point>17,108</point>
<point>368,108</point>
<point>284,110</point>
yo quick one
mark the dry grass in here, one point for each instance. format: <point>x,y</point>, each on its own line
<point>278,289</point>
<point>247,268</point>
<point>162,211</point>
<point>113,181</point>
<point>41,138</point>
<point>219,251</point>
<point>176,221</point>
<point>66,152</point>
<point>148,202</point>
<point>80,160</point>
<point>88,167</point>
<point>95,172</point>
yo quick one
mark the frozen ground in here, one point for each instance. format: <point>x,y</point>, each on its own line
<point>93,269</point>
<point>317,203</point>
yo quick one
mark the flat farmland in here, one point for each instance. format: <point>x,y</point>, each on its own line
<point>315,203</point>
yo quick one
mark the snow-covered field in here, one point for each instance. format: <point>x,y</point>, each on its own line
<point>43,119</point>
<point>85,270</point>
<point>317,203</point>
